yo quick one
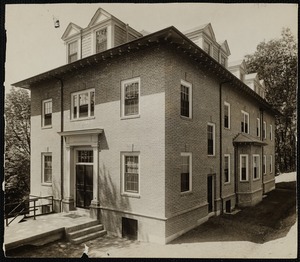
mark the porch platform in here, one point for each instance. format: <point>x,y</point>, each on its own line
<point>45,229</point>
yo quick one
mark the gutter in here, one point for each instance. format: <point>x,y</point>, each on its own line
<point>221,141</point>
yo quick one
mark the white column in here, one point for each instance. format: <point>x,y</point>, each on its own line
<point>95,200</point>
<point>67,173</point>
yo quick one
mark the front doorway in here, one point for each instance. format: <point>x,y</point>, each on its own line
<point>84,178</point>
<point>210,194</point>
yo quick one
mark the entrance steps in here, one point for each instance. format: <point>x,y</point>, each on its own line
<point>84,232</point>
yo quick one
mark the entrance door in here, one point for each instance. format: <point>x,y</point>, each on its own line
<point>210,193</point>
<point>84,185</point>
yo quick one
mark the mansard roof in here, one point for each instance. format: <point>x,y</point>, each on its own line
<point>170,36</point>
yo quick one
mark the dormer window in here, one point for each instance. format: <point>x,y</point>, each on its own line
<point>72,51</point>
<point>206,47</point>
<point>101,40</point>
<point>223,61</point>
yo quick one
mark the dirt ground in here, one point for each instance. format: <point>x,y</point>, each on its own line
<point>269,220</point>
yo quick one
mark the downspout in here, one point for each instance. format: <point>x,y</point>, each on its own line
<point>80,43</point>
<point>235,173</point>
<point>61,140</point>
<point>221,136</point>
<point>262,148</point>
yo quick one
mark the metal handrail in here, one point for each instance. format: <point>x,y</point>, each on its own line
<point>34,208</point>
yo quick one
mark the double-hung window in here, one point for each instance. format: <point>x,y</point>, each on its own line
<point>245,122</point>
<point>47,113</point>
<point>186,172</point>
<point>226,115</point>
<point>46,168</point>
<point>271,164</point>
<point>226,168</point>
<point>271,132</point>
<point>206,47</point>
<point>258,127</point>
<point>256,165</point>
<point>130,100</point>
<point>131,173</point>
<point>186,99</point>
<point>244,165</point>
<point>265,165</point>
<point>73,51</point>
<point>211,139</point>
<point>83,104</point>
<point>265,130</point>
<point>101,40</point>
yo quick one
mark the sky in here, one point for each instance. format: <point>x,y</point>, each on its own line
<point>34,45</point>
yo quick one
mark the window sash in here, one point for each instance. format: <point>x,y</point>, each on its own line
<point>244,167</point>
<point>83,104</point>
<point>256,167</point>
<point>265,130</point>
<point>131,173</point>
<point>271,163</point>
<point>47,113</point>
<point>245,122</point>
<point>131,97</point>
<point>73,51</point>
<point>258,127</point>
<point>210,139</point>
<point>101,40</point>
<point>185,175</point>
<point>185,101</point>
<point>227,168</point>
<point>265,164</point>
<point>226,115</point>
<point>47,168</point>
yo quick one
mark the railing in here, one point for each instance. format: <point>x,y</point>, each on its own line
<point>25,208</point>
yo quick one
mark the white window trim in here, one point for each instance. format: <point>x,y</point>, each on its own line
<point>258,166</point>
<point>265,162</point>
<point>123,83</point>
<point>214,138</point>
<point>258,126</point>
<point>190,87</point>
<point>125,193</point>
<point>244,116</point>
<point>265,130</point>
<point>78,48</point>
<point>43,113</point>
<point>271,132</point>
<point>247,167</point>
<point>229,113</point>
<point>190,169</point>
<point>43,170</point>
<point>271,164</point>
<point>89,106</point>
<point>229,174</point>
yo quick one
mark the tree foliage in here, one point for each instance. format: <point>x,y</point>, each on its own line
<point>275,62</point>
<point>17,145</point>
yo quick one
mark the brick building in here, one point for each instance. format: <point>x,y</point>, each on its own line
<point>152,134</point>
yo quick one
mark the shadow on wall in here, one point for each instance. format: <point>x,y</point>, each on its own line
<point>269,220</point>
<point>103,141</point>
<point>111,198</point>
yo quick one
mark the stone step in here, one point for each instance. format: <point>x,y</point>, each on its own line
<point>90,236</point>
<point>82,226</point>
<point>84,231</point>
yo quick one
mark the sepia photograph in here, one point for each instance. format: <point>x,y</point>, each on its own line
<point>163,130</point>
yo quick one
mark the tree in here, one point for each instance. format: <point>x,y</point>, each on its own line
<point>275,62</point>
<point>17,145</point>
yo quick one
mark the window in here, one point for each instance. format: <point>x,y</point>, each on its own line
<point>47,168</point>
<point>271,164</point>
<point>186,99</point>
<point>227,168</point>
<point>243,167</point>
<point>216,54</point>
<point>131,173</point>
<point>101,40</point>
<point>256,164</point>
<point>72,51</point>
<point>223,61</point>
<point>211,139</point>
<point>245,122</point>
<point>83,104</point>
<point>271,132</point>
<point>130,92</point>
<point>47,113</point>
<point>186,172</point>
<point>258,127</point>
<point>226,115</point>
<point>206,47</point>
<point>265,130</point>
<point>265,165</point>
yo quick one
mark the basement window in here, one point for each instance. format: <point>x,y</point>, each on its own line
<point>129,228</point>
